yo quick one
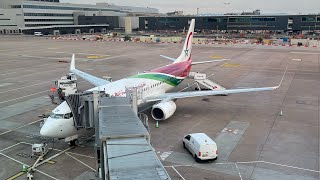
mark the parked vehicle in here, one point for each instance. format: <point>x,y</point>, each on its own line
<point>201,146</point>
<point>38,34</point>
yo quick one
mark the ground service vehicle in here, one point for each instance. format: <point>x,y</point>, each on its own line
<point>201,146</point>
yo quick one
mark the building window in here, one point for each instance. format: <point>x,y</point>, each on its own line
<point>251,19</point>
<point>308,19</point>
<point>16,6</point>
<point>48,14</point>
<point>318,19</point>
<point>46,20</point>
<point>66,8</point>
<point>213,20</point>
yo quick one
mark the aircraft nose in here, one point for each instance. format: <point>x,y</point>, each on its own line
<point>48,129</point>
<point>46,132</point>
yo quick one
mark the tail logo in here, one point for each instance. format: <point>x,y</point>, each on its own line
<point>186,51</point>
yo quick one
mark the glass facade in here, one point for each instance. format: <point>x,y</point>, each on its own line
<point>48,14</point>
<point>37,25</point>
<point>213,19</point>
<point>251,19</point>
<point>47,20</point>
<point>29,6</point>
<point>308,19</point>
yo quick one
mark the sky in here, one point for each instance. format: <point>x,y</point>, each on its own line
<point>219,6</point>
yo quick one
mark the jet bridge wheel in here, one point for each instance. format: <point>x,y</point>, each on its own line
<point>74,142</point>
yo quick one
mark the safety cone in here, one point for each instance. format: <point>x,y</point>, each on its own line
<point>281,113</point>
<point>157,124</point>
<point>24,168</point>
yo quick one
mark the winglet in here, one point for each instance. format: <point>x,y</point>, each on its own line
<point>284,74</point>
<point>72,64</point>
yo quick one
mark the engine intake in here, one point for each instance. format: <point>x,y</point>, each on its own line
<point>163,110</point>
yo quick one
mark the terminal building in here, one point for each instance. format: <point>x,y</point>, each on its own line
<point>284,23</point>
<point>23,16</point>
<point>53,17</point>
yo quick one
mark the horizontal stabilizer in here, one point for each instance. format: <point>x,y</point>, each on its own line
<point>166,57</point>
<point>210,61</point>
<point>90,78</point>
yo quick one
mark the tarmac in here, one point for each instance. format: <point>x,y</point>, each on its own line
<point>255,140</point>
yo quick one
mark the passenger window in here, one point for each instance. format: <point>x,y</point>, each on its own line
<point>188,137</point>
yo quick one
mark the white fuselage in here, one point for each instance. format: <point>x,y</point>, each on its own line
<point>64,127</point>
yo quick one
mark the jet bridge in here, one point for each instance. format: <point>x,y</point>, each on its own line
<point>122,141</point>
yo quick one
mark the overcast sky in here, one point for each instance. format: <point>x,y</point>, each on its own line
<point>219,6</point>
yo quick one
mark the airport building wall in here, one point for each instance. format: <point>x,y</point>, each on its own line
<point>113,21</point>
<point>43,13</point>
<point>241,22</point>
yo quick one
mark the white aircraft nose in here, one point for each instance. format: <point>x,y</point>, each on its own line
<point>47,130</point>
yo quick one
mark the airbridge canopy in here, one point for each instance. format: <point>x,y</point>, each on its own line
<point>127,153</point>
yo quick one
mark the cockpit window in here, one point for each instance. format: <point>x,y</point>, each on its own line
<point>68,116</point>
<point>57,116</point>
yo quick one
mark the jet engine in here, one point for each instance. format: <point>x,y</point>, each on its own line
<point>163,110</point>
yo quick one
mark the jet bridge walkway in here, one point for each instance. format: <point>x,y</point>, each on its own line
<point>126,143</point>
<point>122,141</point>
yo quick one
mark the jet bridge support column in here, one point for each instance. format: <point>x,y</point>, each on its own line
<point>97,145</point>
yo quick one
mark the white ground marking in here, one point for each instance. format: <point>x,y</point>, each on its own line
<point>164,155</point>
<point>178,173</point>
<point>10,147</point>
<point>41,57</point>
<point>19,127</point>
<point>61,52</point>
<point>61,150</point>
<point>25,86</point>
<point>296,59</point>
<point>28,166</point>
<point>81,162</point>
<point>16,70</point>
<point>304,53</point>
<point>24,96</point>
<point>5,84</point>
<point>7,73</point>
<point>113,57</point>
<point>238,170</point>
<point>81,155</point>
<point>283,165</point>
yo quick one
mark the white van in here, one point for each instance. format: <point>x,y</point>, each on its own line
<point>201,146</point>
<point>38,34</point>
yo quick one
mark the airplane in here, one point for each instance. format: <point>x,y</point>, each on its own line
<point>155,85</point>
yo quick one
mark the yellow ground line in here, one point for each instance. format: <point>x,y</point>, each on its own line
<point>230,65</point>
<point>16,176</point>
<point>216,57</point>
<point>95,57</point>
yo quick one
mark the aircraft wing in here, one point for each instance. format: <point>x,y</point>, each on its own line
<point>90,78</point>
<point>180,95</point>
